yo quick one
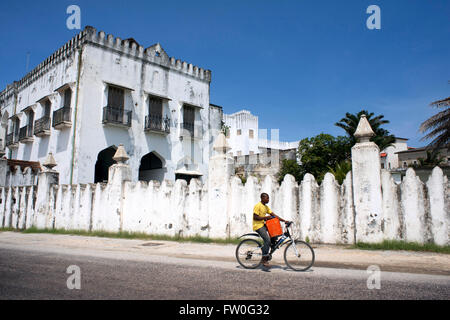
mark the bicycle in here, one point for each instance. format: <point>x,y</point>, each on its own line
<point>298,255</point>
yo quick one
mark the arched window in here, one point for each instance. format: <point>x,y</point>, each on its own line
<point>104,161</point>
<point>152,167</point>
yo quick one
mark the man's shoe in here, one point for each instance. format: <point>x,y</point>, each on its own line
<point>265,262</point>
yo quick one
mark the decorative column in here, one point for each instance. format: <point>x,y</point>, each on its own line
<point>46,178</point>
<point>366,171</point>
<point>118,173</point>
<point>221,168</point>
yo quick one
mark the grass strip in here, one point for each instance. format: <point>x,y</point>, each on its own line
<point>402,245</point>
<point>126,235</point>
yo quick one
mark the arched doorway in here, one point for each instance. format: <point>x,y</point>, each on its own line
<point>104,161</point>
<point>152,167</point>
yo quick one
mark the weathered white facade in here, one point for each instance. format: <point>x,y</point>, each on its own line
<point>389,156</point>
<point>367,207</point>
<point>86,77</point>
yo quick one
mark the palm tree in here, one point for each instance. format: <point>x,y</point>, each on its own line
<point>432,160</point>
<point>341,170</point>
<point>382,137</point>
<point>438,125</point>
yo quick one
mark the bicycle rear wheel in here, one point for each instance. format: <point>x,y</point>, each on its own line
<point>249,253</point>
<point>300,259</point>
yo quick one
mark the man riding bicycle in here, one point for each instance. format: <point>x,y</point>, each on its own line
<point>262,213</point>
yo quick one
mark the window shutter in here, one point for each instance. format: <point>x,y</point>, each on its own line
<point>155,106</point>
<point>115,98</point>
<point>47,108</point>
<point>67,98</point>
<point>189,114</point>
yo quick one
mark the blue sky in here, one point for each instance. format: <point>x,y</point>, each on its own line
<point>298,65</point>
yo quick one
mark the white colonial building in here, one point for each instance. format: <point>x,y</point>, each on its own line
<point>246,138</point>
<point>242,132</point>
<point>98,91</point>
<point>389,156</point>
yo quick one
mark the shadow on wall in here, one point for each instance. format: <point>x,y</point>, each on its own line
<point>161,143</point>
<point>63,140</point>
<point>114,136</point>
<point>43,147</point>
<point>27,152</point>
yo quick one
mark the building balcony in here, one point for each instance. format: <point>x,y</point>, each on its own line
<point>26,134</point>
<point>61,118</point>
<point>156,123</point>
<point>11,141</point>
<point>42,127</point>
<point>114,116</point>
<point>191,130</point>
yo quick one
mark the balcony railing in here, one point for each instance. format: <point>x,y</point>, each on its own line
<point>26,134</point>
<point>42,127</point>
<point>192,130</point>
<point>116,116</point>
<point>157,123</point>
<point>61,118</point>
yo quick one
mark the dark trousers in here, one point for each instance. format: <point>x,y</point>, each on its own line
<point>267,240</point>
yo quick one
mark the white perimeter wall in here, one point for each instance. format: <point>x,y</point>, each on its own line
<point>412,211</point>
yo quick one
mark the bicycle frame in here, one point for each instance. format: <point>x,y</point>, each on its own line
<point>285,239</point>
<point>279,243</point>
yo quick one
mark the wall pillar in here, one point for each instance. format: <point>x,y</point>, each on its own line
<point>221,168</point>
<point>46,178</point>
<point>118,173</point>
<point>366,171</point>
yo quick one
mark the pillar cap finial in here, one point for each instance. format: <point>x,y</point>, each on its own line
<point>49,162</point>
<point>364,131</point>
<point>121,155</point>
<point>221,145</point>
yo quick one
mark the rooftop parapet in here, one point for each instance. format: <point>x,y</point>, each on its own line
<point>154,54</point>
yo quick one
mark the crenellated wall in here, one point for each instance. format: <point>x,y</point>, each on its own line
<point>153,54</point>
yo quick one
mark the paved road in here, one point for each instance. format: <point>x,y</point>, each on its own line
<point>40,274</point>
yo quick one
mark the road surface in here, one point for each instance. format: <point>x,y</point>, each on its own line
<point>40,273</point>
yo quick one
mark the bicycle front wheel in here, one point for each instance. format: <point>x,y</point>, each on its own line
<point>249,253</point>
<point>299,255</point>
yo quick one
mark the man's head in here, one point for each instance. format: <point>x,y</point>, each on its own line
<point>264,198</point>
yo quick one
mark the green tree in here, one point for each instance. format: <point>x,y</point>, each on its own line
<point>320,153</point>
<point>439,126</point>
<point>290,167</point>
<point>432,160</point>
<point>341,170</point>
<point>382,136</point>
